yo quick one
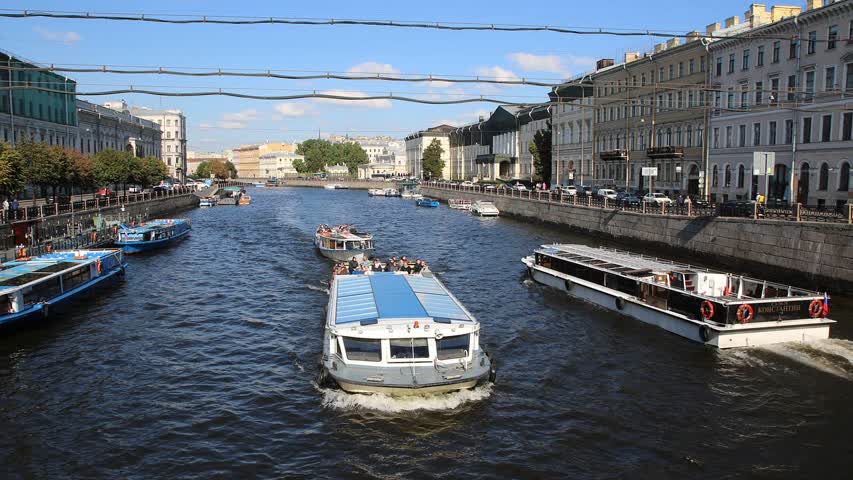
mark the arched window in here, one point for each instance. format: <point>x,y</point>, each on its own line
<point>668,137</point>
<point>844,178</point>
<point>823,178</point>
<point>740,176</point>
<point>727,182</point>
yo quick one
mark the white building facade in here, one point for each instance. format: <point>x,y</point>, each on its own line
<point>173,126</point>
<point>279,164</point>
<point>417,142</point>
<point>790,97</point>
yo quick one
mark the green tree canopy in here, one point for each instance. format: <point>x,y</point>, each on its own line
<point>318,153</point>
<point>45,165</point>
<point>203,170</point>
<point>80,169</point>
<point>540,148</point>
<point>153,171</point>
<point>114,167</point>
<point>11,170</point>
<point>433,165</point>
<point>349,154</point>
<point>232,170</point>
<point>299,166</point>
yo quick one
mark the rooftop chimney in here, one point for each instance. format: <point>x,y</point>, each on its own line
<point>757,15</point>
<point>712,28</point>
<point>813,4</point>
<point>631,56</point>
<point>732,21</point>
<point>673,42</point>
<point>660,47</point>
<point>604,63</point>
<point>693,36</point>
<point>784,11</point>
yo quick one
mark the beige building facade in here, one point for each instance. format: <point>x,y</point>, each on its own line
<point>247,161</point>
<point>173,143</point>
<point>417,142</point>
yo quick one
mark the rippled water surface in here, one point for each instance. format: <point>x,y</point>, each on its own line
<point>202,365</point>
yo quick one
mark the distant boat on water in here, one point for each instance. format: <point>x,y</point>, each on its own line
<point>152,234</point>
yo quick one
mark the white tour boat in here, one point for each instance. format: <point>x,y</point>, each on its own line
<point>715,308</point>
<point>343,242</point>
<point>375,192</point>
<point>484,209</point>
<point>459,204</point>
<point>400,334</point>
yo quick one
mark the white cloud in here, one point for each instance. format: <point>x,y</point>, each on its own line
<point>564,65</point>
<point>374,67</point>
<point>498,73</point>
<point>439,84</point>
<point>292,110</point>
<point>464,119</point>
<point>204,125</point>
<point>377,103</point>
<point>231,125</point>
<point>68,38</point>
<point>241,116</point>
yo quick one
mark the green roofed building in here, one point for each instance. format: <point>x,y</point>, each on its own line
<point>41,116</point>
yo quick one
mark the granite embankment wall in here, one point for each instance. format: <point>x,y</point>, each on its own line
<point>808,251</point>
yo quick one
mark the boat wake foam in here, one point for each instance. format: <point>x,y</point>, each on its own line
<point>833,356</point>
<point>341,400</point>
<point>317,289</point>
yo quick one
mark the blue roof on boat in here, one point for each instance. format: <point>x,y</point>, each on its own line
<point>21,267</point>
<point>389,295</point>
<point>155,224</point>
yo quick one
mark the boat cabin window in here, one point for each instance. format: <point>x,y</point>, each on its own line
<point>363,349</point>
<point>409,348</point>
<point>43,291</point>
<point>6,304</point>
<point>453,347</point>
<point>75,278</point>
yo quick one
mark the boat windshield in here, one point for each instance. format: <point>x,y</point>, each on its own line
<point>453,347</point>
<point>409,348</point>
<point>362,349</point>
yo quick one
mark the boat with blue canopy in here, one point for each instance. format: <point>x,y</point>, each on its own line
<point>32,288</point>
<point>400,334</point>
<point>427,202</point>
<point>152,234</point>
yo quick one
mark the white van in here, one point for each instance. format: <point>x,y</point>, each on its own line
<point>606,193</point>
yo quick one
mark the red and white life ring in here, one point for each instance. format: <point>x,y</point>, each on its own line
<point>745,313</point>
<point>707,310</point>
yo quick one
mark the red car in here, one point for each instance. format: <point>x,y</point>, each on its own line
<point>106,192</point>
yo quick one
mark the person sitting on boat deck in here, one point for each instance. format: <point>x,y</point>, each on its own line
<point>404,264</point>
<point>391,265</point>
<point>376,267</point>
<point>353,264</point>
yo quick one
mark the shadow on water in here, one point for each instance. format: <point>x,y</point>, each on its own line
<point>203,365</point>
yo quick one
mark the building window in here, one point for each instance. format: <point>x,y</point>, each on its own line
<point>691,66</point>
<point>807,130</point>
<point>793,47</point>
<point>829,79</point>
<point>826,130</point>
<point>759,61</point>
<point>678,138</point>
<point>847,127</point>
<point>715,177</point>
<point>848,81</point>
<point>731,99</point>
<point>789,131</point>
<point>792,87</point>
<point>690,135</point>
<point>719,69</point>
<point>681,69</point>
<point>744,96</point>
<point>729,135</point>
<point>671,71</point>
<point>741,176</point>
<point>668,137</point>
<point>699,138</point>
<point>727,180</point>
<point>810,47</point>
<point>660,74</point>
<point>746,59</point>
<point>777,46</point>
<point>702,61</point>
<point>731,63</point>
<point>832,37</point>
<point>844,178</point>
<point>741,135</point>
<point>716,140</point>
<point>771,137</point>
<point>759,91</point>
<point>809,85</point>
<point>823,178</point>
<point>756,134</point>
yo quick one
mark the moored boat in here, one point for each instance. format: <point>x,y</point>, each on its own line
<point>391,192</point>
<point>427,202</point>
<point>330,186</point>
<point>400,334</point>
<point>152,234</point>
<point>245,199</point>
<point>207,202</point>
<point>33,288</point>
<point>459,204</point>
<point>343,242</point>
<point>484,209</point>
<point>376,192</point>
<point>715,308</point>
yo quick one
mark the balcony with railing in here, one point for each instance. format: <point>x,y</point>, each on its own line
<point>665,152</point>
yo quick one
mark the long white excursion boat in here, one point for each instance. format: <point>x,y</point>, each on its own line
<point>343,242</point>
<point>485,209</point>
<point>400,334</point>
<point>715,308</point>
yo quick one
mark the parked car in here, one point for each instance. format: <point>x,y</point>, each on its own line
<point>606,193</point>
<point>489,187</point>
<point>739,208</point>
<point>466,183</point>
<point>134,189</point>
<point>657,198</point>
<point>518,187</point>
<point>58,198</point>
<point>630,200</point>
<point>106,192</point>
<point>570,190</point>
<point>160,188</point>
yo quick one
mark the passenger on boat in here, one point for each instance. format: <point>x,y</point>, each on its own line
<point>391,265</point>
<point>376,267</point>
<point>353,264</point>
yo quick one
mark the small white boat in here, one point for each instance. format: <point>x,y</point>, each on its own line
<point>331,186</point>
<point>400,334</point>
<point>391,192</point>
<point>484,209</point>
<point>207,202</point>
<point>343,242</point>
<point>459,204</point>
<point>376,192</point>
<point>717,309</point>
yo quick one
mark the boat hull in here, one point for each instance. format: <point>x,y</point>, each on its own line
<point>145,246</point>
<point>732,336</point>
<point>61,303</point>
<point>346,255</point>
<point>403,390</point>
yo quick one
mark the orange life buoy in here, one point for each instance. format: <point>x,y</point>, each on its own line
<point>745,313</point>
<point>707,310</point>
<point>816,308</point>
<point>99,266</point>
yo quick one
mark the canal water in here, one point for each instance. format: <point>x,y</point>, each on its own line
<point>202,365</point>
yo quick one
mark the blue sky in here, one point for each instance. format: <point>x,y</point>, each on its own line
<point>215,123</point>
